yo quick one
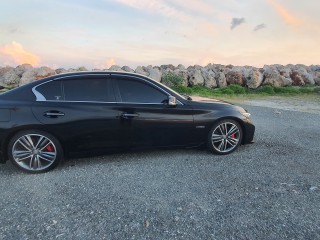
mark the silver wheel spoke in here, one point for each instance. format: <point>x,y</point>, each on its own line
<point>29,141</point>
<point>45,146</point>
<point>49,155</point>
<point>232,129</point>
<point>233,141</point>
<point>22,144</point>
<point>41,142</point>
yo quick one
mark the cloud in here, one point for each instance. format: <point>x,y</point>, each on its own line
<point>259,27</point>
<point>15,51</point>
<point>105,64</point>
<point>237,22</point>
<point>288,17</point>
<point>157,6</point>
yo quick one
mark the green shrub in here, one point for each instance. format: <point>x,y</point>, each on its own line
<point>172,80</point>
<point>237,89</point>
<point>267,89</point>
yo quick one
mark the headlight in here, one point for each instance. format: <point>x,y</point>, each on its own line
<point>246,114</point>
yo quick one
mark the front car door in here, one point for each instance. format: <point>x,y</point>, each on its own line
<point>145,114</point>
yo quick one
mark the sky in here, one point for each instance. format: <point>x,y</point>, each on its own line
<point>101,33</point>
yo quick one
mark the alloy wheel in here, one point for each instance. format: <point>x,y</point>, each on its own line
<point>34,152</point>
<point>225,137</point>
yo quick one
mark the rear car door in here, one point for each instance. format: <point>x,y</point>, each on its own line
<point>146,116</point>
<point>81,110</point>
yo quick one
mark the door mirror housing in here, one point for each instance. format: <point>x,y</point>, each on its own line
<point>172,101</point>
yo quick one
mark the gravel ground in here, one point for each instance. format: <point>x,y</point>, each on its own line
<point>268,190</point>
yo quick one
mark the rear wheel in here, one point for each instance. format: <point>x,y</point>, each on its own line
<point>225,137</point>
<point>35,151</point>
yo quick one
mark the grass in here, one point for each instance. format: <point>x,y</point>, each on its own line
<point>237,90</point>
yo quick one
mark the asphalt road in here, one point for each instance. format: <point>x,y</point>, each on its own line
<point>268,190</point>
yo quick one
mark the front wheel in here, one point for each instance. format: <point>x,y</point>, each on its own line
<point>225,137</point>
<point>35,151</point>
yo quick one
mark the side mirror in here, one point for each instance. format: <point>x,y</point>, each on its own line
<point>172,101</point>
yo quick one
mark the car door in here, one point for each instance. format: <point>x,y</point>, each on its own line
<point>82,111</point>
<point>146,116</point>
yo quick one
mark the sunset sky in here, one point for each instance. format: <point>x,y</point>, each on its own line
<point>100,33</point>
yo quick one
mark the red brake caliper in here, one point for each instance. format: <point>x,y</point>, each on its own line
<point>233,135</point>
<point>50,148</point>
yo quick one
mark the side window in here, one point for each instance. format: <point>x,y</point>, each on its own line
<point>135,91</point>
<point>88,89</point>
<point>51,90</point>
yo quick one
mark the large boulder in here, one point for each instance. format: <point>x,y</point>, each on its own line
<point>209,77</point>
<point>234,77</point>
<point>36,74</point>
<point>254,79</point>
<point>169,66</point>
<point>127,69</point>
<point>141,71</point>
<point>273,78</point>
<point>60,70</point>
<point>221,79</point>
<point>195,78</point>
<point>115,68</point>
<point>10,79</point>
<point>317,77</point>
<point>82,69</point>
<point>19,70</point>
<point>183,74</point>
<point>306,75</point>
<point>154,73</point>
<point>296,79</point>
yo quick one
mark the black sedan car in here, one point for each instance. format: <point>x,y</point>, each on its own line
<point>45,121</point>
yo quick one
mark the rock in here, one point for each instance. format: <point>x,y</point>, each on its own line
<point>82,69</point>
<point>127,69</point>
<point>181,67</point>
<point>221,80</point>
<point>28,76</point>
<point>170,66</point>
<point>273,78</point>
<point>285,72</point>
<point>195,78</point>
<point>10,79</point>
<point>19,70</point>
<point>60,70</point>
<point>43,72</point>
<point>306,76</point>
<point>183,74</point>
<point>317,78</point>
<point>254,79</point>
<point>140,70</point>
<point>115,68</point>
<point>296,79</point>
<point>234,77</point>
<point>154,73</point>
<point>209,77</point>
<point>36,74</point>
<point>4,70</point>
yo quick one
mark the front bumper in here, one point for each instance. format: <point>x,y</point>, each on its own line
<point>248,133</point>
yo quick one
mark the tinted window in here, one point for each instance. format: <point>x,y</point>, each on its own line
<point>51,90</point>
<point>88,89</point>
<point>138,92</point>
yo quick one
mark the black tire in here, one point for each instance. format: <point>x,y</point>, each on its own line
<point>35,151</point>
<point>225,137</point>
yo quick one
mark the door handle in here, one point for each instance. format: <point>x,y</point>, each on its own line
<point>129,115</point>
<point>53,114</point>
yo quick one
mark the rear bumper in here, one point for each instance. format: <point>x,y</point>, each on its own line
<point>249,130</point>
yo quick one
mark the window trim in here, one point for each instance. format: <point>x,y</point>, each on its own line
<point>41,98</point>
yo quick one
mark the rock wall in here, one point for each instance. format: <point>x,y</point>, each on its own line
<point>212,75</point>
